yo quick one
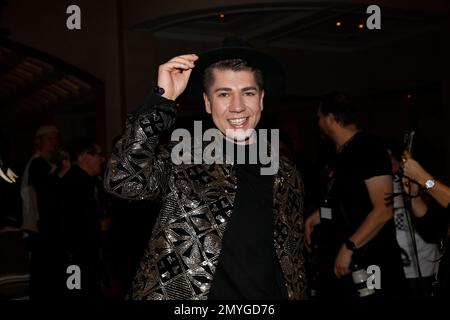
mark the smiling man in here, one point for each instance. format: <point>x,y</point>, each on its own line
<point>225,231</point>
<point>236,93</point>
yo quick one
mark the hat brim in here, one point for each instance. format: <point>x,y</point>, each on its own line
<point>273,72</point>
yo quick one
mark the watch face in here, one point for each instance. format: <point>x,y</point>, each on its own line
<point>429,184</point>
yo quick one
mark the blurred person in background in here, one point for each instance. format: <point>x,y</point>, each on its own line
<point>431,219</point>
<point>41,184</point>
<point>81,215</point>
<point>420,253</point>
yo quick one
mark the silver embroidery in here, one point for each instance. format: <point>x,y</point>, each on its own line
<point>197,203</point>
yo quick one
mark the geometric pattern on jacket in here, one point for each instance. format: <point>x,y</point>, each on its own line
<point>197,202</point>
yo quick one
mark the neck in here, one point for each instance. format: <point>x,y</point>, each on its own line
<point>344,135</point>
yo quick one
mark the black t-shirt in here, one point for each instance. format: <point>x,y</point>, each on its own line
<point>362,158</point>
<point>48,190</point>
<point>433,226</point>
<point>248,267</point>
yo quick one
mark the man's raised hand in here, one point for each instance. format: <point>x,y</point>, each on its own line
<point>173,75</point>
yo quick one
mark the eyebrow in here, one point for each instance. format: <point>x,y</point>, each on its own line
<point>229,89</point>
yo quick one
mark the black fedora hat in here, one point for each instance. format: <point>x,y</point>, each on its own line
<point>236,48</point>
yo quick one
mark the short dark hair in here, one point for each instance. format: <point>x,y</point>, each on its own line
<point>341,106</point>
<point>231,64</point>
<point>80,146</point>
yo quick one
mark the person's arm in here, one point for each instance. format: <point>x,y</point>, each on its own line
<point>378,187</point>
<point>413,170</point>
<point>65,167</point>
<point>418,205</point>
<point>441,193</point>
<point>429,220</point>
<point>312,220</point>
<point>136,169</point>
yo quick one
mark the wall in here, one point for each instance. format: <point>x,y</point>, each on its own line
<point>126,59</point>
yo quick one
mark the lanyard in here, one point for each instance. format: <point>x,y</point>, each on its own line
<point>329,185</point>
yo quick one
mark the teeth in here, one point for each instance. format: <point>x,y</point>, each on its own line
<point>237,121</point>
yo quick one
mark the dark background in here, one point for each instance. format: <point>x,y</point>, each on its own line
<point>86,80</point>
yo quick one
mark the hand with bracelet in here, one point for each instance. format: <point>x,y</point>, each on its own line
<point>414,171</point>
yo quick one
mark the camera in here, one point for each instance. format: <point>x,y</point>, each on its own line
<point>359,277</point>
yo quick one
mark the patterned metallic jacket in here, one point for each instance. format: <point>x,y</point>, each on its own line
<point>197,202</point>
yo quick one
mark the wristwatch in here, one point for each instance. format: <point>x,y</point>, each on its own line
<point>430,183</point>
<point>350,245</point>
<point>158,91</point>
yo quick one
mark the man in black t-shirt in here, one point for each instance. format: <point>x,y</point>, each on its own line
<point>356,225</point>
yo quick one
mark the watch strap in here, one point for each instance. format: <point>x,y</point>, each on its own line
<point>158,91</point>
<point>350,245</point>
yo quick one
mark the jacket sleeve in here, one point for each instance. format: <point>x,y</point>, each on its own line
<point>139,169</point>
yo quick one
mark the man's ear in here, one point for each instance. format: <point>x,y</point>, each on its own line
<point>334,121</point>
<point>330,119</point>
<point>207,103</point>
